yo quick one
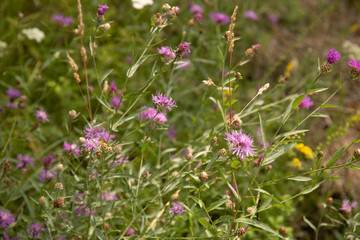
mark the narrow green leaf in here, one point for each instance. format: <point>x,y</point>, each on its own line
<point>106,74</point>
<point>320,115</point>
<point>259,225</point>
<point>309,223</point>
<point>206,225</point>
<point>335,157</point>
<point>300,179</point>
<point>308,190</point>
<point>266,203</point>
<point>229,185</point>
<point>216,204</point>
<point>234,163</point>
<point>339,84</point>
<point>270,195</point>
<point>134,67</point>
<point>290,133</point>
<point>297,101</point>
<point>232,102</point>
<point>221,55</point>
<point>263,137</point>
<point>276,153</point>
<point>287,111</point>
<point>328,106</point>
<point>317,90</point>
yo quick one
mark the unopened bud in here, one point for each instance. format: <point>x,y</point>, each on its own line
<point>320,154</point>
<point>166,7</point>
<point>175,174</point>
<point>269,167</point>
<point>106,26</point>
<point>214,139</point>
<point>42,200</point>
<point>58,203</point>
<point>108,214</point>
<point>282,231</point>
<point>106,226</point>
<point>203,176</point>
<point>263,88</point>
<point>146,174</point>
<point>231,204</point>
<point>250,210</point>
<point>329,201</point>
<point>105,87</point>
<point>326,67</point>
<point>189,156</point>
<point>222,152</point>
<point>238,75</point>
<point>72,114</point>
<point>59,186</point>
<point>60,167</point>
<point>6,165</point>
<point>175,196</point>
<point>241,231</point>
<point>357,153</point>
<point>82,139</point>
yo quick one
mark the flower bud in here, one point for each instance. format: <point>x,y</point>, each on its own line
<point>214,139</point>
<point>59,186</point>
<point>357,153</point>
<point>320,154</point>
<point>6,165</point>
<point>203,176</point>
<point>82,139</point>
<point>72,114</point>
<point>41,200</point>
<point>174,174</point>
<point>60,167</point>
<point>329,201</point>
<point>222,152</point>
<point>166,7</point>
<point>238,76</point>
<point>189,156</point>
<point>282,231</point>
<point>269,167</point>
<point>22,102</point>
<point>175,196</point>
<point>106,26</point>
<point>59,203</point>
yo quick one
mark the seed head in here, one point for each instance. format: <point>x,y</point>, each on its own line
<point>238,75</point>
<point>263,88</point>
<point>6,165</point>
<point>72,114</point>
<point>59,186</point>
<point>22,102</point>
<point>72,62</point>
<point>189,156</point>
<point>59,203</point>
<point>214,139</point>
<point>77,78</point>
<point>60,167</point>
<point>241,231</point>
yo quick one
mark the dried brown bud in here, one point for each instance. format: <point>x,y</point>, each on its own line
<point>263,88</point>
<point>41,200</point>
<point>59,186</point>
<point>203,176</point>
<point>250,52</point>
<point>329,201</point>
<point>269,167</point>
<point>105,87</point>
<point>175,196</point>
<point>231,204</point>
<point>209,82</point>
<point>166,7</point>
<point>6,165</point>
<point>282,231</point>
<point>58,203</point>
<point>60,167</point>
<point>357,153</point>
<point>106,226</point>
<point>326,67</point>
<point>98,155</point>
<point>257,162</point>
<point>214,139</point>
<point>189,156</point>
<point>238,75</point>
<point>22,102</point>
<point>250,210</point>
<point>320,154</point>
<point>222,152</point>
<point>241,231</point>
<point>158,19</point>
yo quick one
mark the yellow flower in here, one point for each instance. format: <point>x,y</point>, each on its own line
<point>307,152</point>
<point>297,163</point>
<point>354,28</point>
<point>226,94</point>
<point>299,146</point>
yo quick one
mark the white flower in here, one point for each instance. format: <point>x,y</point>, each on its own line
<point>140,4</point>
<point>34,34</point>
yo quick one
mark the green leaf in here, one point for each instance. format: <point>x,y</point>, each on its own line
<point>270,195</point>
<point>290,133</point>
<point>99,234</point>
<point>297,101</point>
<point>308,190</point>
<point>265,204</point>
<point>259,225</point>
<point>234,163</point>
<point>221,55</point>
<point>263,137</point>
<point>317,90</point>
<point>106,74</point>
<point>198,201</point>
<point>276,153</point>
<point>300,179</point>
<point>328,106</point>
<point>339,84</point>
<point>287,111</point>
<point>232,102</point>
<point>229,185</point>
<point>134,67</point>
<point>309,223</point>
<point>206,225</point>
<point>320,115</point>
<point>335,157</point>
<point>216,204</point>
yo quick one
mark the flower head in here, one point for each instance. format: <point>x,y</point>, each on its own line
<point>355,64</point>
<point>47,174</point>
<point>162,102</point>
<point>346,207</point>
<point>62,19</point>
<point>194,8</point>
<point>113,88</point>
<point>6,219</point>
<point>120,159</point>
<point>35,229</point>
<point>41,116</point>
<point>273,19</point>
<point>251,15</point>
<point>151,114</point>
<point>306,102</point>
<point>34,34</point>
<point>241,144</point>
<point>102,9</point>
<point>177,208</point>
<point>333,56</point>
<point>130,232</point>
<point>99,133</point>
<point>166,51</point>
<point>25,161</point>
<point>72,148</point>
<point>116,102</point>
<point>92,144</point>
<point>183,49</point>
<point>220,17</point>
<point>109,196</point>
<point>48,159</point>
<point>13,93</point>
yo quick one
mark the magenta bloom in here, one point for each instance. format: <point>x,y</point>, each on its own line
<point>25,161</point>
<point>47,174</point>
<point>128,59</point>
<point>172,132</point>
<point>273,19</point>
<point>120,159</point>
<point>166,51</point>
<point>48,159</point>
<point>113,88</point>
<point>13,93</point>
<point>109,196</point>
<point>251,15</point>
<point>98,133</point>
<point>241,144</point>
<point>130,232</point>
<point>183,49</point>
<point>12,105</point>
<point>102,9</point>
<point>194,8</point>
<point>220,17</point>
<point>92,144</point>
<point>333,56</point>
<point>116,102</point>
<point>81,209</point>
<point>35,229</point>
<point>177,208</point>
<point>62,19</point>
<point>162,102</point>
<point>184,64</point>
<point>41,116</point>
<point>151,114</point>
<point>6,218</point>
<point>346,207</point>
<point>256,47</point>
<point>72,148</point>
<point>355,64</point>
<point>306,102</point>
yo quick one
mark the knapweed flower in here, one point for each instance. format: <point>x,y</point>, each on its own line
<point>241,144</point>
<point>102,9</point>
<point>194,8</point>
<point>92,144</point>
<point>140,4</point>
<point>355,64</point>
<point>333,56</point>
<point>72,148</point>
<point>13,93</point>
<point>172,132</point>
<point>161,101</point>
<point>6,218</point>
<point>98,133</point>
<point>306,102</point>
<point>109,196</point>
<point>25,161</point>
<point>113,88</point>
<point>256,47</point>
<point>151,114</point>
<point>35,229</point>
<point>130,232</point>
<point>47,174</point>
<point>177,208</point>
<point>116,102</point>
<point>120,159</point>
<point>183,49</point>
<point>128,58</point>
<point>12,105</point>
<point>166,51</point>
<point>48,160</point>
<point>184,64</point>
<point>41,116</point>
<point>346,207</point>
<point>220,17</point>
<point>34,34</point>
<point>251,15</point>
<point>62,19</point>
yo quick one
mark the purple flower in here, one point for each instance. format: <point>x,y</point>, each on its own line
<point>72,148</point>
<point>273,19</point>
<point>81,209</point>
<point>9,238</point>
<point>176,9</point>
<point>102,9</point>
<point>109,196</point>
<point>12,105</point>
<point>79,196</point>
<point>251,15</point>
<point>128,59</point>
<point>194,8</point>
<point>130,232</point>
<point>116,102</point>
<point>6,218</point>
<point>241,144</point>
<point>256,47</point>
<point>1,110</point>
<point>346,207</point>
<point>48,159</point>
<point>99,133</point>
<point>306,102</point>
<point>333,56</point>
<point>177,208</point>
<point>120,159</point>
<point>25,161</point>
<point>47,174</point>
<point>183,49</point>
<point>162,102</point>
<point>35,229</point>
<point>355,64</point>
<point>62,19</point>
<point>220,17</point>
<point>13,93</point>
<point>166,51</point>
<point>41,116</point>
<point>172,132</point>
<point>92,144</point>
<point>113,88</point>
<point>198,17</point>
<point>151,114</point>
<point>184,64</point>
